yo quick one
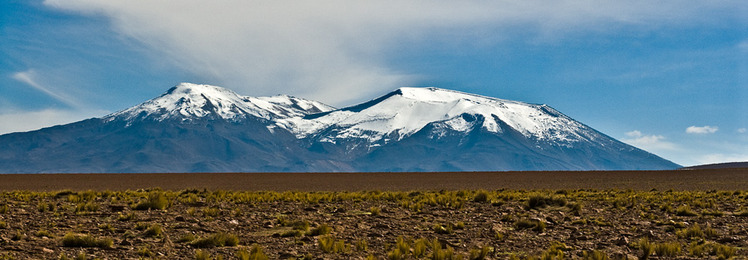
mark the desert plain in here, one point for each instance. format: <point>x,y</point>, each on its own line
<point>681,214</point>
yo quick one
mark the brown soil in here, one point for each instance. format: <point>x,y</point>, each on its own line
<point>607,220</point>
<point>711,179</point>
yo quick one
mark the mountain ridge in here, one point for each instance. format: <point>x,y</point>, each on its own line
<point>203,128</point>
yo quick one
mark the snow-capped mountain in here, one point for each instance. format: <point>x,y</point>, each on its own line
<point>189,101</point>
<point>202,128</point>
<point>405,111</point>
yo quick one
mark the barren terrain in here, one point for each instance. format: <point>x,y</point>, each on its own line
<point>705,179</point>
<point>697,214</point>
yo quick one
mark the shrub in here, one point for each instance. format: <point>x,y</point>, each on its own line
<point>216,240</point>
<point>155,200</point>
<point>481,196</point>
<point>73,240</point>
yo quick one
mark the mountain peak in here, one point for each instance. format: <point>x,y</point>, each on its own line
<point>187,101</point>
<point>432,94</point>
<point>185,88</point>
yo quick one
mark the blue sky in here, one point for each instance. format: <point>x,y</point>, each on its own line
<point>670,77</point>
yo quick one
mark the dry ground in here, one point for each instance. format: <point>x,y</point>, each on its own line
<point>717,179</point>
<point>698,214</point>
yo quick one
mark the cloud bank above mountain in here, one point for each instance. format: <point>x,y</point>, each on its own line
<point>318,49</point>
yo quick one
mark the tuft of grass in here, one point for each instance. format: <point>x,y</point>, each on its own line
<point>211,212</point>
<point>154,230</point>
<point>329,244</point>
<point>300,225</point>
<point>419,248</point>
<point>216,240</point>
<point>439,229</point>
<point>155,200</point>
<point>723,251</point>
<point>402,246</point>
<point>73,240</point>
<point>533,224</point>
<point>128,217</point>
<point>741,213</point>
<point>685,210</point>
<point>594,255</point>
<point>254,254</point>
<point>44,233</point>
<point>186,238</point>
<point>202,255</point>
<point>536,202</point>
<point>667,249</point>
<point>362,245</point>
<point>439,253</point>
<point>322,229</point>
<point>479,253</point>
<point>396,254</point>
<point>375,211</point>
<point>646,247</point>
<point>292,233</point>
<point>145,252</point>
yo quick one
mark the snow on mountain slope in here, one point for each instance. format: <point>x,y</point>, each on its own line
<point>407,110</point>
<point>188,101</point>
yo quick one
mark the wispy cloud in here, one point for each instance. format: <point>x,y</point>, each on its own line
<point>29,78</point>
<point>742,130</point>
<point>702,129</point>
<point>318,49</point>
<point>648,142</point>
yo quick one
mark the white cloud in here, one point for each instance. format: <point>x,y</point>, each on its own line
<point>652,143</point>
<point>21,121</point>
<point>30,78</point>
<point>320,49</point>
<point>722,158</point>
<point>742,130</point>
<point>702,129</point>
